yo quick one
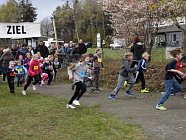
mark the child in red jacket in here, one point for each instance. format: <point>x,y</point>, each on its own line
<point>33,72</point>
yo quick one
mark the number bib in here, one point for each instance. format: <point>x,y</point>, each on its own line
<point>35,67</point>
<point>82,73</point>
<point>99,60</point>
<point>46,67</point>
<point>19,70</point>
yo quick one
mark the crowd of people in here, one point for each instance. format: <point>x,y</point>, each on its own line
<point>40,66</point>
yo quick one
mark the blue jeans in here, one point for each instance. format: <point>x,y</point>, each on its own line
<point>171,86</point>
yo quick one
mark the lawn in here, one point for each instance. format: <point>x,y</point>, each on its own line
<point>158,54</point>
<point>37,117</point>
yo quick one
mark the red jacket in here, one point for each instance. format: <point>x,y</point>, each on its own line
<point>180,65</point>
<point>34,68</point>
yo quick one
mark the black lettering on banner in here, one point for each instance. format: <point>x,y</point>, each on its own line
<point>18,29</point>
<point>8,31</point>
<point>23,30</point>
<point>13,29</point>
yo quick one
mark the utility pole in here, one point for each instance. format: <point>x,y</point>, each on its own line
<point>55,32</point>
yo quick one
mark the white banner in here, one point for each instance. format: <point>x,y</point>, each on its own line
<point>19,30</point>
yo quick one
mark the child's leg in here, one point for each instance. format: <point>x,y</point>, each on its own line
<point>37,79</point>
<point>77,90</point>
<point>96,78</point>
<point>9,83</point>
<point>168,87</point>
<point>30,78</point>
<point>176,87</point>
<point>131,83</point>
<point>4,73</point>
<point>121,80</point>
<point>45,76</point>
<point>83,90</point>
<point>142,81</point>
<point>50,77</point>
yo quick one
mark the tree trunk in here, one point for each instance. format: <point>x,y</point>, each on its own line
<point>184,41</point>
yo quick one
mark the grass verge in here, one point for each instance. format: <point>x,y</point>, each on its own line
<point>37,117</point>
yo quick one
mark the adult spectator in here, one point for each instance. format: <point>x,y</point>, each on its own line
<point>81,48</point>
<point>14,50</point>
<point>1,53</point>
<point>137,49</point>
<point>42,49</point>
<point>22,51</point>
<point>5,59</point>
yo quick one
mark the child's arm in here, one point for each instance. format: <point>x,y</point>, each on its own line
<point>176,71</point>
<point>143,65</point>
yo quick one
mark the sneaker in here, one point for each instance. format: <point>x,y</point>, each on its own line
<point>24,92</point>
<point>161,107</point>
<point>128,93</point>
<point>125,84</point>
<point>184,97</point>
<point>70,106</point>
<point>112,97</point>
<point>34,87</point>
<point>76,102</point>
<point>144,91</point>
<point>162,93</point>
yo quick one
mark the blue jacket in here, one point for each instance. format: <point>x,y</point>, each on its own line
<point>20,69</point>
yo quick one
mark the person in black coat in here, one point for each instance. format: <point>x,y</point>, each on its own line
<point>42,49</point>
<point>137,49</point>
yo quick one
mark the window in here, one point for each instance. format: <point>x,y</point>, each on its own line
<point>174,37</point>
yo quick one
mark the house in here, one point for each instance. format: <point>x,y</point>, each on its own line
<point>169,35</point>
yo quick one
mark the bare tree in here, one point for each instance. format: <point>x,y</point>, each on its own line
<point>46,27</point>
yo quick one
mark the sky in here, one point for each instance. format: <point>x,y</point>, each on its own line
<point>45,8</point>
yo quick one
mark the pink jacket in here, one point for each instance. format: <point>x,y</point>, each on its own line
<point>34,68</point>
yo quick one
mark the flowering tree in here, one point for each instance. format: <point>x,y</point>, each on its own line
<point>143,17</point>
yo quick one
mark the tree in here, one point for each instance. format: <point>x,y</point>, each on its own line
<point>46,27</point>
<point>21,11</point>
<point>27,12</point>
<point>9,12</point>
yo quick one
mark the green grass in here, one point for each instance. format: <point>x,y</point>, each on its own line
<point>158,54</point>
<point>37,117</point>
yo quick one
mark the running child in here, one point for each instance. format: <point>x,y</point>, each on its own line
<point>77,72</point>
<point>97,63</point>
<point>33,72</point>
<point>141,68</point>
<point>47,70</point>
<point>21,72</point>
<point>10,76</point>
<point>125,74</point>
<point>171,85</point>
<point>57,65</point>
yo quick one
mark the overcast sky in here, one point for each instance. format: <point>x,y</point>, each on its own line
<point>44,7</point>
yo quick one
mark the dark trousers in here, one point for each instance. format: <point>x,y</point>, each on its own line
<point>140,77</point>
<point>20,79</point>
<point>11,84</point>
<point>30,79</point>
<point>5,70</point>
<point>50,77</point>
<point>55,74</point>
<point>96,77</point>
<point>79,91</point>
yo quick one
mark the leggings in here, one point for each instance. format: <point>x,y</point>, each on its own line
<point>30,78</point>
<point>79,91</point>
<point>44,76</point>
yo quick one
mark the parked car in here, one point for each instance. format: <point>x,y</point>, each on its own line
<point>89,44</point>
<point>116,45</point>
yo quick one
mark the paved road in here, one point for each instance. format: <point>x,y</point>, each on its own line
<point>169,125</point>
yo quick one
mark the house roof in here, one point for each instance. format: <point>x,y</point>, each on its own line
<point>169,29</point>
